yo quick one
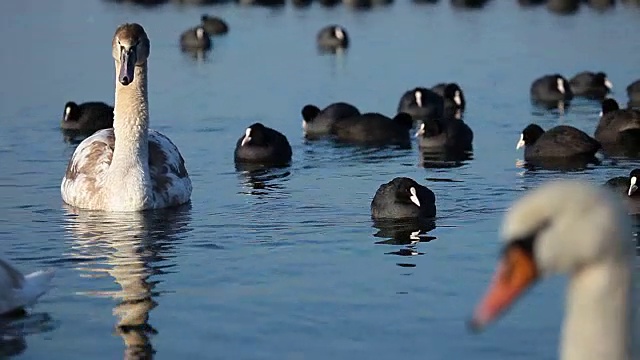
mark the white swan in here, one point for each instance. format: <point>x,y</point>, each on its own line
<point>128,167</point>
<point>579,229</point>
<point>18,291</point>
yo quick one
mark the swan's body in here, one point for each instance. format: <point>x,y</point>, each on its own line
<point>18,291</point>
<point>128,167</point>
<point>581,230</point>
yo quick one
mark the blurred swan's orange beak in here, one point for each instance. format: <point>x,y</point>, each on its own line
<point>516,272</point>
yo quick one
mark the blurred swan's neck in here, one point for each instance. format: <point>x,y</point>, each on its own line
<point>599,316</point>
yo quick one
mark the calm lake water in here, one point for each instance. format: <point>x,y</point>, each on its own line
<point>286,264</point>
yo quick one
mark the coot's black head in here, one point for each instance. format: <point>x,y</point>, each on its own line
<point>204,17</point>
<point>430,128</point>
<point>634,176</point>
<point>454,93</point>
<point>341,34</point>
<point>255,134</point>
<point>310,112</point>
<point>403,119</point>
<point>560,84</point>
<point>417,94</point>
<point>200,32</point>
<point>601,79</point>
<point>407,191</point>
<point>530,135</point>
<point>609,105</point>
<point>71,111</point>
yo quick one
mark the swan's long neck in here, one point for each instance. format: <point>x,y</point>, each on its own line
<point>599,313</point>
<point>131,118</point>
<point>129,170</point>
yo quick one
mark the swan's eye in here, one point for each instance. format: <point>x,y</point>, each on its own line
<point>526,242</point>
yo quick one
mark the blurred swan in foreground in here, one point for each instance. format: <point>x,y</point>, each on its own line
<point>130,248</point>
<point>582,230</point>
<point>128,167</point>
<point>18,291</point>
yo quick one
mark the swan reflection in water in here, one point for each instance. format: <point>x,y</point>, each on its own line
<point>406,233</point>
<point>131,247</point>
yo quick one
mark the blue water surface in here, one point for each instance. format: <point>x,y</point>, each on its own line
<point>286,264</point>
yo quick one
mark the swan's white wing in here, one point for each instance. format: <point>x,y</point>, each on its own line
<point>87,169</point>
<point>169,176</point>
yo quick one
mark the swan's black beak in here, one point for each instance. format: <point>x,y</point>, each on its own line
<point>127,65</point>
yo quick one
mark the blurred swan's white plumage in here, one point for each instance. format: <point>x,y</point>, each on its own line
<point>17,290</point>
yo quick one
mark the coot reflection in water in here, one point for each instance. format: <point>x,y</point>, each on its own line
<point>262,179</point>
<point>407,233</point>
<point>197,55</point>
<point>131,247</point>
<point>561,106</point>
<point>73,137</point>
<point>444,159</point>
<point>577,163</point>
<point>369,154</point>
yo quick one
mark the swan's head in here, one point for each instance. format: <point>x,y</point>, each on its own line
<point>130,48</point>
<point>561,227</point>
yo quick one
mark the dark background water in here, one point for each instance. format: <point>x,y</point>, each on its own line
<point>286,264</point>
